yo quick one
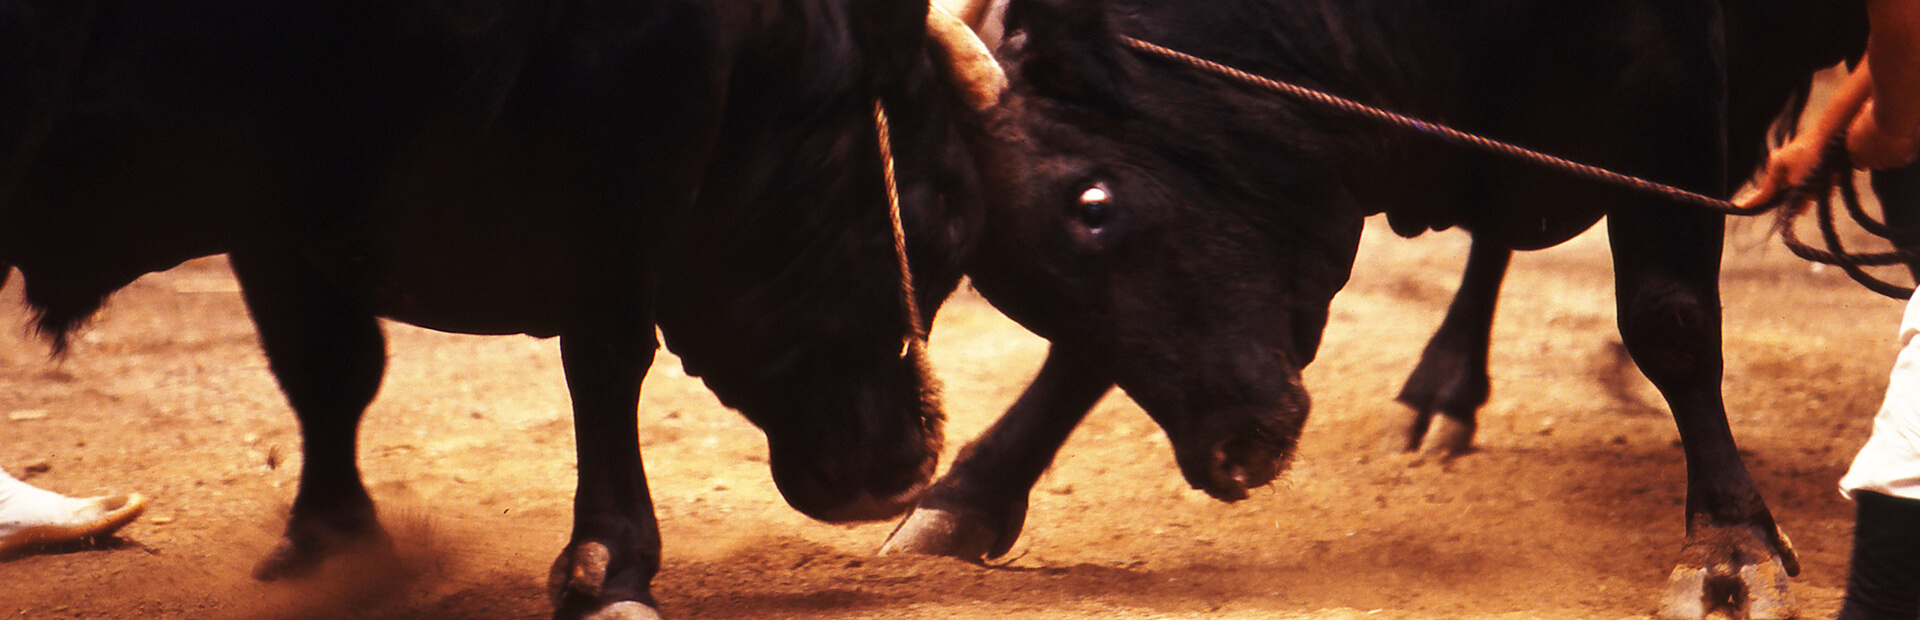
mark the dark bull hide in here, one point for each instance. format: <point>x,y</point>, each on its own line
<point>1181,236</point>
<point>591,170</point>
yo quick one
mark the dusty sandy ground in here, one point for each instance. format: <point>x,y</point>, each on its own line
<point>1570,509</point>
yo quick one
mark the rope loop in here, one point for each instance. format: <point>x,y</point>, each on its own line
<point>1834,174</point>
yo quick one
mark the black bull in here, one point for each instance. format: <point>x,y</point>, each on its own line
<point>591,170</point>
<point>1181,235</point>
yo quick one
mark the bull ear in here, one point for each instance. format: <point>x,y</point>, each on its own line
<point>1069,50</point>
<point>893,35</point>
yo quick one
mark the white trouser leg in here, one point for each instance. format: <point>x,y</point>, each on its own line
<point>1889,463</point>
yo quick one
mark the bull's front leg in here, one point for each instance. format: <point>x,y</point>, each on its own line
<point>977,509</point>
<point>327,353</point>
<point>1666,264</point>
<point>1451,379</point>
<point>606,571</point>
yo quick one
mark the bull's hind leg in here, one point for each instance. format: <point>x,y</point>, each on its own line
<point>607,568</point>
<point>976,511</point>
<point>1899,194</point>
<point>1451,379</point>
<point>327,352</point>
<point>1666,264</point>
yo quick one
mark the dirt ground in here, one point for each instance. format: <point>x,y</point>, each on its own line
<point>1571,508</point>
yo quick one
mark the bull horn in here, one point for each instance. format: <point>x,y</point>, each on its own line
<point>975,72</point>
<point>971,12</point>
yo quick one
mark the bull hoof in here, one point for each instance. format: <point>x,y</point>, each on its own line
<point>1756,592</point>
<point>625,610</point>
<point>304,550</point>
<point>1404,431</point>
<point>931,531</point>
<point>578,581</point>
<point>287,562</point>
<point>1434,436</point>
<point>1447,438</point>
<point>581,570</point>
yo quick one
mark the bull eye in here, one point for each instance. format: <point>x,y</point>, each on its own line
<point>1095,207</point>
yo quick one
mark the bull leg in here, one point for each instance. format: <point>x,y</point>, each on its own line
<point>1899,194</point>
<point>1666,264</point>
<point>328,355</point>
<point>1451,379</point>
<point>606,571</point>
<point>976,511</point>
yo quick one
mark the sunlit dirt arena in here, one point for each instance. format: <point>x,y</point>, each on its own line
<point>1571,507</point>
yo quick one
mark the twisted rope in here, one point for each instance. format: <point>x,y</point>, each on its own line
<point>1440,131</point>
<point>1833,173</point>
<point>917,336</point>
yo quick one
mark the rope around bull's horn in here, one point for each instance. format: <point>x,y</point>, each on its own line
<point>1834,173</point>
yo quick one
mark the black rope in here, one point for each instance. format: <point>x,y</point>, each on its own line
<point>1834,173</point>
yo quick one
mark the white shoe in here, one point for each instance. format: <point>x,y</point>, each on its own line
<point>54,519</point>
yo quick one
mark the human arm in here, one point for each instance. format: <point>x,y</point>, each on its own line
<point>1790,164</point>
<point>1887,135</point>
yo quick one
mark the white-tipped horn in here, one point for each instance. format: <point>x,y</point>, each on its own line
<point>978,76</point>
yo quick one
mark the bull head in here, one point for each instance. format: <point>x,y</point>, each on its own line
<point>1135,224</point>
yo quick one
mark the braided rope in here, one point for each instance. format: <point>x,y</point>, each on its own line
<point>1832,174</point>
<point>917,336</point>
<point>1442,131</point>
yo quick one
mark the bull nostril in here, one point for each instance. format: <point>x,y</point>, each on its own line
<point>1242,463</point>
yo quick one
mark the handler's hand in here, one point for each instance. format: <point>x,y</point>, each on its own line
<point>1787,166</point>
<point>1875,148</point>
